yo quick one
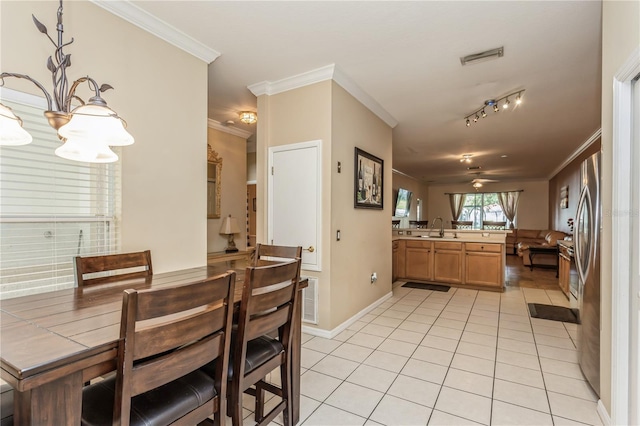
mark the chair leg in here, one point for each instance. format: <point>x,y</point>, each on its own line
<point>285,377</point>
<point>234,407</point>
<point>259,408</point>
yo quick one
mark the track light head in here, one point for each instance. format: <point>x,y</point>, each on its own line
<point>468,123</point>
<point>518,99</point>
<point>495,108</point>
<point>506,104</point>
<point>484,114</point>
<point>476,118</point>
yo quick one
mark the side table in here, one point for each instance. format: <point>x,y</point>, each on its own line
<point>536,250</point>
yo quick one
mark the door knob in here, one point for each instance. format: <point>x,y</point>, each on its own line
<point>310,249</point>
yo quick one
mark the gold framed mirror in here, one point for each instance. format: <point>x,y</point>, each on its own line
<point>214,183</point>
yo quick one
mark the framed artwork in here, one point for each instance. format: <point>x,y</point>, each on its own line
<point>564,197</point>
<point>368,190</point>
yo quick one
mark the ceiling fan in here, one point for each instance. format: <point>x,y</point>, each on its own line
<point>478,181</point>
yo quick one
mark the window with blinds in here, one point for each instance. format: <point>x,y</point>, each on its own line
<point>51,209</point>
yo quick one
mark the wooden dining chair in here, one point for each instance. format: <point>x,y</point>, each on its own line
<point>268,304</point>
<point>127,265</point>
<point>166,335</point>
<point>270,253</point>
<point>461,224</point>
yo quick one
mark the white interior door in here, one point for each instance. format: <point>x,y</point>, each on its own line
<point>295,207</point>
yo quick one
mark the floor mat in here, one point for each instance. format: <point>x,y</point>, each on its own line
<point>553,313</point>
<point>423,286</point>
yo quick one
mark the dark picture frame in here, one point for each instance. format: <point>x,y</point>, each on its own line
<point>368,189</point>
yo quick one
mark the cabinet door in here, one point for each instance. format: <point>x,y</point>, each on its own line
<point>447,266</point>
<point>483,268</point>
<point>394,262</point>
<point>564,273</point>
<point>418,263</point>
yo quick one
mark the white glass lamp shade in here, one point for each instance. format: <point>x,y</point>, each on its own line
<point>229,226</point>
<point>11,131</point>
<point>97,123</point>
<point>86,150</point>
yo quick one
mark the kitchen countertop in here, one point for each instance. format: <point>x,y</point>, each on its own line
<point>453,235</point>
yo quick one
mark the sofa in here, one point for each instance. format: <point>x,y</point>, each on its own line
<point>519,240</point>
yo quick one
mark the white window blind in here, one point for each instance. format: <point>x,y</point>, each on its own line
<point>51,209</point>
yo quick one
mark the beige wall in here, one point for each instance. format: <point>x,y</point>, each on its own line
<point>420,191</point>
<point>233,195</point>
<point>533,207</point>
<point>326,112</point>
<point>365,243</point>
<point>568,176</point>
<point>159,90</point>
<point>299,115</point>
<point>620,36</point>
<point>251,167</point>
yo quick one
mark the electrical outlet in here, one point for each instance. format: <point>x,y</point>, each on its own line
<point>374,277</point>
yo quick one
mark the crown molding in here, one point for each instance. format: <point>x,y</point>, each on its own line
<point>213,124</point>
<point>577,152</point>
<point>294,82</point>
<point>351,87</point>
<point>159,28</point>
<point>329,72</point>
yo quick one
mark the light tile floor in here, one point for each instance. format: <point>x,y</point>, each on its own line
<point>454,358</point>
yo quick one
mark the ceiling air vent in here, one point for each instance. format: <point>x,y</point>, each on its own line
<point>478,57</point>
<point>474,168</point>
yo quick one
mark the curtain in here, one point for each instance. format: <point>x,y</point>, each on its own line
<point>509,203</point>
<point>456,202</point>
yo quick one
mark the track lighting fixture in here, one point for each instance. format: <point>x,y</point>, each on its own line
<point>493,103</point>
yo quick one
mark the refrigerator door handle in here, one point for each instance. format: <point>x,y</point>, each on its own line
<point>580,256</point>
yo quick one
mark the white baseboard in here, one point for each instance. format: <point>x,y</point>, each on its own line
<point>602,412</point>
<point>329,334</point>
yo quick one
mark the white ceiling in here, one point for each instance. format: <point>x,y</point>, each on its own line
<point>406,56</point>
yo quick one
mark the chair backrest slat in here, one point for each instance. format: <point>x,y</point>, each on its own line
<point>169,301</point>
<point>161,338</point>
<point>164,369</point>
<point>268,322</point>
<point>112,263</point>
<point>264,301</point>
<point>277,253</point>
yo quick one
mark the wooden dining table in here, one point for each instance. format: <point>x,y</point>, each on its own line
<point>52,343</point>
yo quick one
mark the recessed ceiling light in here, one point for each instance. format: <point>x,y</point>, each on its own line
<point>466,158</point>
<point>504,156</point>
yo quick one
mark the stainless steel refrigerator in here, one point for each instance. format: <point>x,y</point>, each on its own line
<point>587,256</point>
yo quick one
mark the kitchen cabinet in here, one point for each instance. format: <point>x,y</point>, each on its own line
<point>565,275</point>
<point>464,264</point>
<point>447,262</point>
<point>418,260</point>
<point>484,264</point>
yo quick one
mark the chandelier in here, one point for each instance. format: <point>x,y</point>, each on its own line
<point>86,131</point>
<point>495,105</point>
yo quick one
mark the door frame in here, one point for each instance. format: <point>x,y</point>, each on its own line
<point>290,147</point>
<point>621,360</point>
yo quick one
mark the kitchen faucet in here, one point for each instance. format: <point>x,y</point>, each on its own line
<point>441,226</point>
